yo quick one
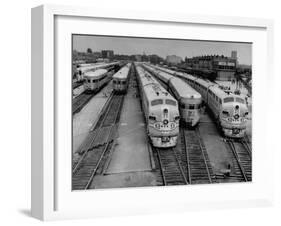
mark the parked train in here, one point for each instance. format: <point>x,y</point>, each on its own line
<point>188,98</point>
<point>82,69</point>
<point>229,110</point>
<point>95,80</point>
<point>160,110</point>
<point>121,79</point>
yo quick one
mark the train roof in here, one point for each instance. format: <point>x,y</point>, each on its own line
<point>164,75</point>
<point>145,77</point>
<point>95,73</point>
<point>184,90</point>
<point>92,67</point>
<point>166,70</point>
<point>206,83</point>
<point>151,86</point>
<point>123,72</point>
<point>222,94</point>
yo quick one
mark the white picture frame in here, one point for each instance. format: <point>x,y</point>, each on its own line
<point>52,198</point>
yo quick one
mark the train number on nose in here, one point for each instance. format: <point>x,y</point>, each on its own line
<point>165,139</point>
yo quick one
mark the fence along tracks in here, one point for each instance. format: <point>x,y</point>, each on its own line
<point>97,145</point>
<point>243,156</point>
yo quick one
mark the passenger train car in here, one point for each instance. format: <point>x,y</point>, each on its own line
<point>229,110</point>
<point>160,110</point>
<point>121,79</point>
<point>95,80</point>
<point>82,69</point>
<point>188,98</point>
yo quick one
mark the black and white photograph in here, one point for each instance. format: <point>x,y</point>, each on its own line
<point>160,112</point>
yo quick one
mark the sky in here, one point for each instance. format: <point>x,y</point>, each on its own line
<point>162,47</point>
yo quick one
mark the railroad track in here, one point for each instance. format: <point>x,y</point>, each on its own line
<point>195,157</point>
<point>80,101</point>
<point>97,146</point>
<point>247,144</point>
<point>243,166</point>
<point>76,84</point>
<point>170,167</point>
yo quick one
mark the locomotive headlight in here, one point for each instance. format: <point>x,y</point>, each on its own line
<point>236,116</point>
<point>165,122</point>
<point>157,125</point>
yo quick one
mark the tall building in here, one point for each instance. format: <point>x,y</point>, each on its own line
<point>107,54</point>
<point>173,59</point>
<point>234,55</point>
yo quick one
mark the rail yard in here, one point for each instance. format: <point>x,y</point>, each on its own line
<point>138,124</point>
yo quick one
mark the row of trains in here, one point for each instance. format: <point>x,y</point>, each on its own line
<point>80,70</point>
<point>169,97</point>
<point>95,79</point>
<point>230,110</point>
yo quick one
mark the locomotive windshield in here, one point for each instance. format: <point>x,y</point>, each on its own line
<point>239,100</point>
<point>171,102</point>
<point>190,106</point>
<point>228,99</point>
<point>156,102</point>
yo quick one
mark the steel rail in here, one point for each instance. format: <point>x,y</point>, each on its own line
<point>203,154</point>
<point>94,138</point>
<point>232,147</point>
<point>97,163</point>
<point>164,169</point>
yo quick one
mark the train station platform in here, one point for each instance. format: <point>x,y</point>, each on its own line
<point>77,91</point>
<point>131,152</point>
<point>129,164</point>
<point>86,118</point>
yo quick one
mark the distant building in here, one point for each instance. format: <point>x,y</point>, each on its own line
<point>109,54</point>
<point>138,58</point>
<point>155,59</point>
<point>223,66</point>
<point>234,55</point>
<point>173,59</point>
<point>97,54</point>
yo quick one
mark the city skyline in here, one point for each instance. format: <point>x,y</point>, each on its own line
<point>162,47</point>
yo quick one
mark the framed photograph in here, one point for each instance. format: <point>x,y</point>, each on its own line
<point>137,112</point>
